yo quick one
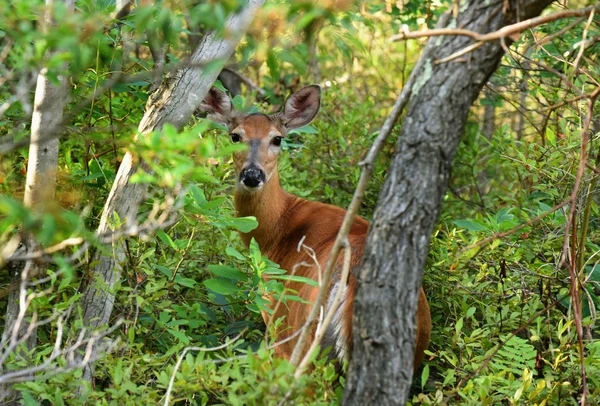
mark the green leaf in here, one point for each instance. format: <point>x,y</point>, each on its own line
<point>232,252</point>
<point>459,325</point>
<point>593,272</point>
<point>118,372</point>
<point>273,64</point>
<point>550,135</point>
<point>307,129</point>
<point>179,335</point>
<point>470,225</point>
<point>424,375</point>
<point>67,269</point>
<point>198,196</point>
<point>274,271</point>
<point>221,286</point>
<point>295,278</point>
<point>244,224</point>
<point>166,239</point>
<point>187,282</point>
<point>227,272</point>
<point>164,270</point>
<point>255,253</point>
<point>215,203</point>
<point>29,400</point>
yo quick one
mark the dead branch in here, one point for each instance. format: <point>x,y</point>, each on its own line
<point>202,349</point>
<point>367,166</point>
<point>504,32</point>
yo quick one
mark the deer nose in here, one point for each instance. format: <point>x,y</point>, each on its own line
<point>252,176</point>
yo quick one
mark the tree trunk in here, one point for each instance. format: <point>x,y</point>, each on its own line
<point>489,115</point>
<point>178,97</point>
<point>380,371</point>
<point>40,185</point>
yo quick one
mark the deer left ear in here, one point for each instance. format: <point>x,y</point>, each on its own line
<point>218,106</point>
<point>302,107</point>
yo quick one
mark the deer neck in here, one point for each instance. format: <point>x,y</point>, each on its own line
<point>268,205</point>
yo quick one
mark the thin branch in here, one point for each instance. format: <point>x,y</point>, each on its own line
<point>367,169</point>
<point>573,265</point>
<point>504,32</point>
<point>248,82</point>
<point>497,236</point>
<point>582,44</point>
<point>183,354</point>
<point>333,308</point>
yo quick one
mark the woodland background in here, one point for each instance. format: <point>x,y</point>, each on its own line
<point>513,273</point>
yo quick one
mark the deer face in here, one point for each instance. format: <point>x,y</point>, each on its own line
<point>262,133</point>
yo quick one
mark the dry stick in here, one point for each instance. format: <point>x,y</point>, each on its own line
<point>247,81</point>
<point>330,312</point>
<point>185,351</point>
<point>460,53</point>
<point>582,46</point>
<point>573,100</point>
<point>587,212</point>
<point>321,328</point>
<point>367,169</point>
<point>550,37</point>
<point>593,169</point>
<point>516,229</point>
<point>312,255</point>
<point>573,265</point>
<point>501,33</point>
<point>31,373</point>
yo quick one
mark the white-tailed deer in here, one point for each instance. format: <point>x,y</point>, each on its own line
<point>285,219</point>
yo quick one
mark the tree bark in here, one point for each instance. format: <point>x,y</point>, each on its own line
<point>40,185</point>
<point>173,102</point>
<point>489,116</point>
<point>380,371</point>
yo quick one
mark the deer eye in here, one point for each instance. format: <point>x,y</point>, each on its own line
<point>277,141</point>
<point>235,137</point>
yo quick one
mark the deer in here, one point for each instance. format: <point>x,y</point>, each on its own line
<point>285,221</point>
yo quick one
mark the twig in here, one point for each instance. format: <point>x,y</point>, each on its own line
<point>574,99</point>
<point>516,229</point>
<point>573,265</point>
<point>310,253</point>
<point>330,312</point>
<point>183,354</point>
<point>550,37</point>
<point>460,53</point>
<point>504,32</point>
<point>92,353</point>
<point>582,45</point>
<point>247,81</point>
<point>367,169</point>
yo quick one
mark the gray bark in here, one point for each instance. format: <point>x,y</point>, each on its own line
<point>177,98</point>
<point>380,371</point>
<point>489,115</point>
<point>40,185</point>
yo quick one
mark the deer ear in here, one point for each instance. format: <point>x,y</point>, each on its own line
<point>302,107</point>
<point>218,106</point>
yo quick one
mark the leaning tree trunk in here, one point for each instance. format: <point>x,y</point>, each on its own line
<point>173,102</point>
<point>489,116</point>
<point>40,187</point>
<point>409,205</point>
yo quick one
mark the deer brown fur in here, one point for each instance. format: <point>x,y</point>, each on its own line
<point>284,220</point>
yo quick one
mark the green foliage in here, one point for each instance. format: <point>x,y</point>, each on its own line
<point>191,283</point>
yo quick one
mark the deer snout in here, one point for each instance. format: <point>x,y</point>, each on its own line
<point>252,176</point>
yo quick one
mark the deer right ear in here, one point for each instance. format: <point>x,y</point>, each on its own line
<point>302,107</point>
<point>218,106</point>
